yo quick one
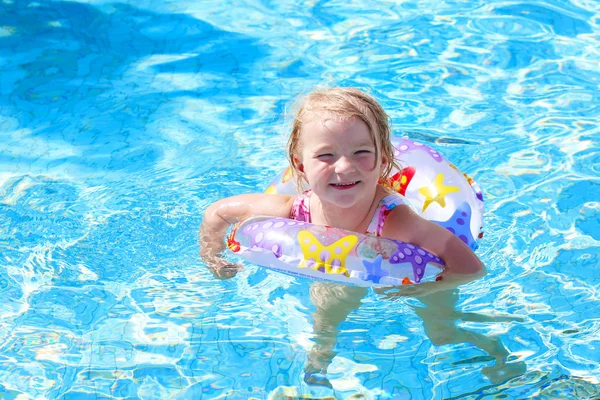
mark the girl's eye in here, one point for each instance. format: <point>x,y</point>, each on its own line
<point>325,155</point>
<point>363,152</point>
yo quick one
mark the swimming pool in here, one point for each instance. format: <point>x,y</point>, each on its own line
<point>120,123</point>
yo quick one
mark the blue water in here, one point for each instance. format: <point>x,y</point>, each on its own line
<point>121,122</point>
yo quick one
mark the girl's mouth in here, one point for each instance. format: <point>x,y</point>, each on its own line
<point>344,186</point>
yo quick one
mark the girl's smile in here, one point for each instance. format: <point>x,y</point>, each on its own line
<point>344,186</point>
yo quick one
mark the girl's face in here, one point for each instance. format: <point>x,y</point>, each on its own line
<point>338,159</point>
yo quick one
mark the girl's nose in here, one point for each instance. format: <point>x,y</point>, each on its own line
<point>344,165</point>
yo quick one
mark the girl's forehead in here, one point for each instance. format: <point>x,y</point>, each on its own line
<point>346,130</point>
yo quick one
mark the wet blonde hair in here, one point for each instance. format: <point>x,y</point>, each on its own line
<point>343,103</point>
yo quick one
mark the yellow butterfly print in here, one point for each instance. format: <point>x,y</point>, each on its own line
<point>329,259</point>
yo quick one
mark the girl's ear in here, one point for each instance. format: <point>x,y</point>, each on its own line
<point>298,164</point>
<point>384,162</point>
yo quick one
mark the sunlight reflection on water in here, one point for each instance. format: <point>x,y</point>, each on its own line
<point>121,123</point>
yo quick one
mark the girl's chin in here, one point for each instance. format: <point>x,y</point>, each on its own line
<point>342,200</point>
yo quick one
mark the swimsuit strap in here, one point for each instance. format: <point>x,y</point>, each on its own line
<point>385,206</point>
<point>301,207</point>
<point>301,210</point>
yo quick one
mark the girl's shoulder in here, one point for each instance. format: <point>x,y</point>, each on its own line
<point>401,219</point>
<point>387,202</point>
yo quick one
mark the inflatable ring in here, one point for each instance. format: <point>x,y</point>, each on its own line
<point>435,188</point>
<point>331,254</point>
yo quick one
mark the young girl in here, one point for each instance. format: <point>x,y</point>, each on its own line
<point>340,145</point>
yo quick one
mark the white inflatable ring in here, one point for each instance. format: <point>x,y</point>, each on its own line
<point>331,254</point>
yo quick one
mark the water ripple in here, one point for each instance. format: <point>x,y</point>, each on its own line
<point>121,123</point>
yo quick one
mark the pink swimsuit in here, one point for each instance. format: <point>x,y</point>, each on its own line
<point>301,210</point>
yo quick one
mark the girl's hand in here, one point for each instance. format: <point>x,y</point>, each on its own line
<point>222,268</point>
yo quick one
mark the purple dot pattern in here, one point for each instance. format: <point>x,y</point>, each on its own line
<point>417,257</point>
<point>405,145</point>
<point>459,225</point>
<point>265,234</point>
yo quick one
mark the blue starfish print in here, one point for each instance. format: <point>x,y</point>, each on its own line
<point>375,273</point>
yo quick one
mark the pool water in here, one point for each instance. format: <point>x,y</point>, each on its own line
<point>121,122</point>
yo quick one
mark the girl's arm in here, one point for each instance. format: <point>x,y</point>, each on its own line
<point>405,225</point>
<point>223,213</point>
